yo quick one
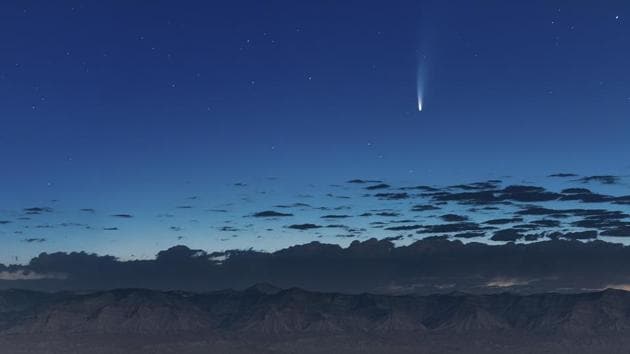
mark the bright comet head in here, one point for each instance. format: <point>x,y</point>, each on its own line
<point>419,104</point>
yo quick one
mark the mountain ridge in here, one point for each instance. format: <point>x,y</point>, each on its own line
<point>265,317</point>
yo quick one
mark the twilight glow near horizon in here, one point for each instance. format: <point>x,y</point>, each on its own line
<point>180,123</point>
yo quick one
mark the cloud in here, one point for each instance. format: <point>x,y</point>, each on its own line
<point>303,226</point>
<point>294,205</point>
<point>404,228</point>
<point>492,184</point>
<point>503,221</point>
<point>453,227</point>
<point>28,275</point>
<point>37,210</point>
<point>509,235</point>
<point>34,239</point>
<point>362,181</point>
<point>424,207</point>
<point>335,216</point>
<point>603,179</point>
<point>392,196</point>
<point>364,266</point>
<point>578,235</point>
<point>563,175</point>
<point>453,218</point>
<point>270,214</point>
<point>469,234</point>
<point>388,213</point>
<point>618,231</point>
<point>378,186</point>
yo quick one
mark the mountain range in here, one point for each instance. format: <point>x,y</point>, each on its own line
<point>266,319</point>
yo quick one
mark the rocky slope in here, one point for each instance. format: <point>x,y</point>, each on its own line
<point>266,319</point>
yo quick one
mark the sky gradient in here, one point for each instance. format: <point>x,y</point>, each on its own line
<point>130,108</point>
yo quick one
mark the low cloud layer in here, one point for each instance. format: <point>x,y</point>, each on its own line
<point>430,265</point>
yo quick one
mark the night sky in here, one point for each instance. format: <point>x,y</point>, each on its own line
<point>129,127</point>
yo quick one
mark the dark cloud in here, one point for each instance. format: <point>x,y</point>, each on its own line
<point>508,235</point>
<point>618,231</point>
<point>482,197</point>
<point>404,228</point>
<point>217,210</point>
<point>563,175</point>
<point>624,200</point>
<point>546,223</point>
<point>34,240</point>
<point>610,223</point>
<point>477,185</point>
<point>388,213</point>
<point>453,227</point>
<point>294,205</point>
<point>337,226</point>
<point>392,196</point>
<point>303,226</point>
<point>503,221</point>
<point>527,227</point>
<point>335,216</point>
<point>370,266</point>
<point>378,186</point>
<point>424,207</point>
<point>420,188</point>
<point>44,226</point>
<point>604,179</point>
<point>37,210</point>
<point>88,210</point>
<point>588,197</point>
<point>579,235</point>
<point>359,181</point>
<point>576,191</point>
<point>270,214</point>
<point>337,196</point>
<point>469,234</point>
<point>519,193</point>
<point>124,216</point>
<point>362,181</point>
<point>528,194</point>
<point>541,211</point>
<point>453,218</point>
<point>110,229</point>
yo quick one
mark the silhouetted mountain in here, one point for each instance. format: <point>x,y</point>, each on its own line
<point>263,318</point>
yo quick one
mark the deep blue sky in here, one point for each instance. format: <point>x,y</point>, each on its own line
<point>126,105</point>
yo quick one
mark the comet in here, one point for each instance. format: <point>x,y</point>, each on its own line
<point>419,88</point>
